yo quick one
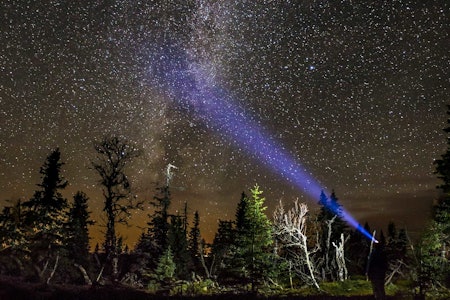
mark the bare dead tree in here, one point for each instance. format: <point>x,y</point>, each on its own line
<point>290,230</point>
<point>52,273</point>
<point>208,272</point>
<point>113,156</point>
<point>396,268</point>
<point>326,266</point>
<point>340,259</point>
<point>87,279</point>
<point>370,251</point>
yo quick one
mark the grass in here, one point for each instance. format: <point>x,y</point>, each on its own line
<point>13,288</point>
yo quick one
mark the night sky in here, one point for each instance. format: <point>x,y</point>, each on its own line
<point>355,91</point>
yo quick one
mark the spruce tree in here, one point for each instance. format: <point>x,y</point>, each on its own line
<point>45,216</point>
<point>78,231</point>
<point>433,253</point>
<point>166,268</point>
<point>443,164</point>
<point>12,231</point>
<point>177,241</point>
<point>241,218</point>
<point>441,210</point>
<point>14,246</point>
<point>194,243</point>
<point>223,248</point>
<point>358,247</point>
<point>158,226</point>
<point>46,205</point>
<point>254,240</point>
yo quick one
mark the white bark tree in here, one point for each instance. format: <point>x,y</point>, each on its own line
<point>290,231</point>
<point>340,259</point>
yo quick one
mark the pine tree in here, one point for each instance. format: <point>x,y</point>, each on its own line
<point>396,244</point>
<point>177,241</point>
<point>46,205</point>
<point>78,231</point>
<point>441,210</point>
<point>254,240</point>
<point>13,239</point>
<point>223,248</point>
<point>166,268</point>
<point>12,231</point>
<point>358,247</point>
<point>241,218</point>
<point>155,241</point>
<point>194,243</point>
<point>433,253</point>
<point>443,164</point>
<point>159,221</point>
<point>45,216</point>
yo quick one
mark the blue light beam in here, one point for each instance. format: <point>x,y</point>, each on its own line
<point>195,90</point>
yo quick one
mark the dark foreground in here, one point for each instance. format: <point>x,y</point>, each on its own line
<point>14,289</point>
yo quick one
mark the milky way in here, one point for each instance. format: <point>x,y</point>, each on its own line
<point>354,90</point>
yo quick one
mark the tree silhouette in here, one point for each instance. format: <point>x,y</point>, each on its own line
<point>194,243</point>
<point>177,242</point>
<point>223,248</point>
<point>113,156</point>
<point>433,253</point>
<point>253,240</point>
<point>45,216</point>
<point>78,231</point>
<point>156,237</point>
<point>332,226</point>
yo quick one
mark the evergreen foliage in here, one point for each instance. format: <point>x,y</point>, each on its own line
<point>443,164</point>
<point>165,270</point>
<point>358,247</point>
<point>48,236</point>
<point>432,265</point>
<point>194,243</point>
<point>435,244</point>
<point>12,231</point>
<point>396,244</point>
<point>253,240</point>
<point>159,222</point>
<point>77,229</point>
<point>45,217</point>
<point>242,221</point>
<point>177,242</point>
<point>223,248</point>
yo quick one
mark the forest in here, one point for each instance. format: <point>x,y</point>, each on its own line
<point>293,252</point>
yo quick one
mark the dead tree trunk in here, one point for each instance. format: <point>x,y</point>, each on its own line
<point>327,267</point>
<point>290,230</point>
<point>202,260</point>
<point>87,280</point>
<point>370,252</point>
<point>340,259</point>
<point>53,270</point>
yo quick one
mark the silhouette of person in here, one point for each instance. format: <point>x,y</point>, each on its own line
<point>376,270</point>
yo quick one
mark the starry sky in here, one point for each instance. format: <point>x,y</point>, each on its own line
<point>355,91</point>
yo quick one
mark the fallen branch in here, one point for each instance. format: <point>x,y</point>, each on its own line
<point>87,280</point>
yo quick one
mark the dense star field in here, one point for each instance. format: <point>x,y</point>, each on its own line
<point>355,91</point>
